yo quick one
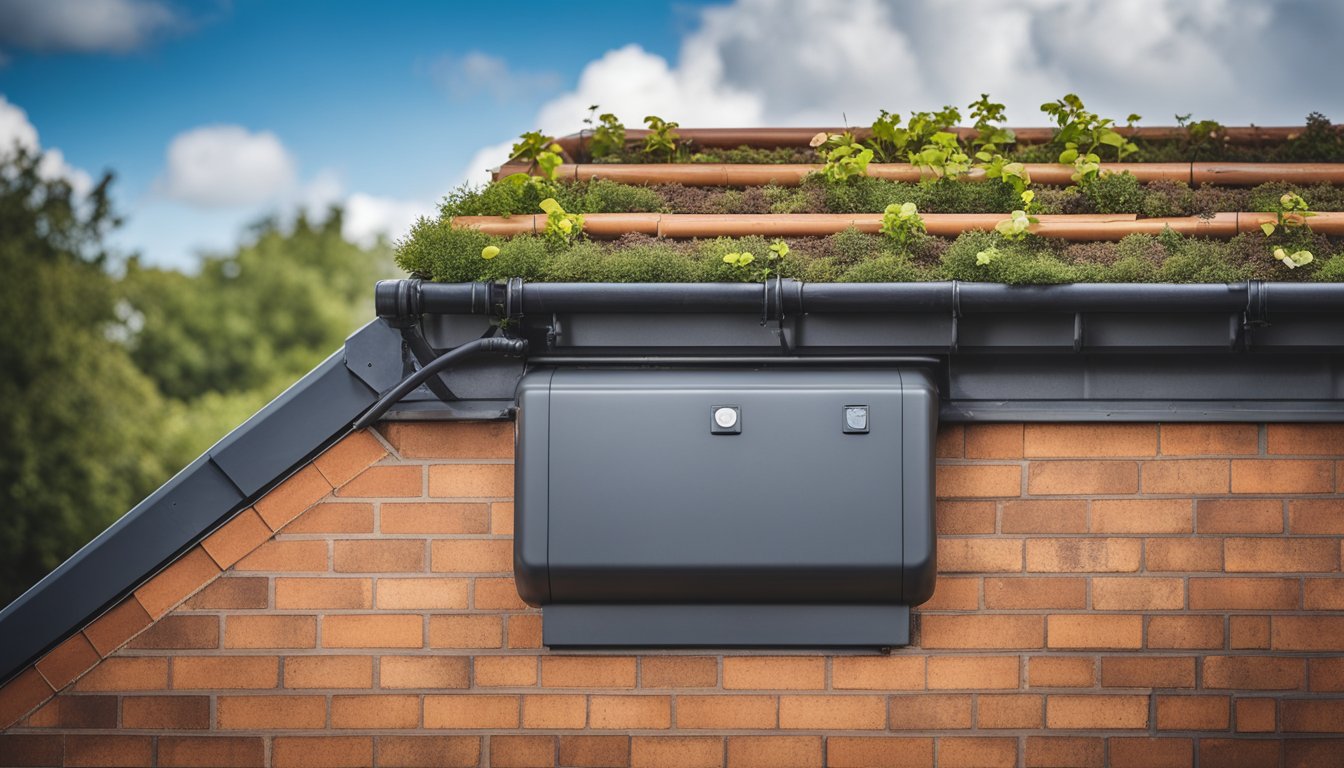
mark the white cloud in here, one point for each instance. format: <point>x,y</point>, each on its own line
<point>633,83</point>
<point>487,158</point>
<point>240,174</point>
<point>321,192</point>
<point>84,26</point>
<point>220,166</point>
<point>368,217</point>
<point>16,130</point>
<point>476,74</point>
<point>815,62</point>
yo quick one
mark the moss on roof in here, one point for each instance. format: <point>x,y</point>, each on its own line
<point>435,250</point>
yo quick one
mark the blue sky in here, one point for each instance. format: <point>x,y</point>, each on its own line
<point>213,113</point>
<point>356,90</point>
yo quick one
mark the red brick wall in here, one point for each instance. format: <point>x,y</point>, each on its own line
<point>1127,595</point>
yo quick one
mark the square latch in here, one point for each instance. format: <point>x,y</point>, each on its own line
<point>855,420</point>
<point>725,420</point>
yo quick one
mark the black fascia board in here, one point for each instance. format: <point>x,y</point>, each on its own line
<point>275,442</point>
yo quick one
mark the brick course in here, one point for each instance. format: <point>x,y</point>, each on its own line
<point>1126,595</point>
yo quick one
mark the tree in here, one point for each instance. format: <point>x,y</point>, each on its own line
<point>110,385</point>
<point>78,421</point>
<point>227,339</point>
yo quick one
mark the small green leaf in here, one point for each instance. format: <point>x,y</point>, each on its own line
<point>1068,156</point>
<point>1268,228</point>
<point>550,206</point>
<point>1112,139</point>
<point>489,252</point>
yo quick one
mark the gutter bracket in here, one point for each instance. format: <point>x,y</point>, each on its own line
<point>956,316</point>
<point>404,314</point>
<point>1256,312</point>
<point>772,308</point>
<point>553,332</point>
<point>513,302</point>
<point>423,354</point>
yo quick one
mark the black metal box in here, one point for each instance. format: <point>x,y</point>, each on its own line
<point>776,507</point>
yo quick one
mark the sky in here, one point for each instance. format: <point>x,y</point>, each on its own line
<point>214,113</point>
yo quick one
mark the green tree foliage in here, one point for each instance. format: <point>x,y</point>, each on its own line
<point>78,421</point>
<point>111,384</point>
<point>256,317</point>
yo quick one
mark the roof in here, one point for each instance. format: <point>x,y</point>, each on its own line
<point>1056,353</point>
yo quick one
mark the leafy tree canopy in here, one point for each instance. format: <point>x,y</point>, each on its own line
<point>111,383</point>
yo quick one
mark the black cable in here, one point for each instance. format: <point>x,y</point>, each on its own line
<point>491,345</point>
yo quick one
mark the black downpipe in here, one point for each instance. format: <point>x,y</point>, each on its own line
<point>497,345</point>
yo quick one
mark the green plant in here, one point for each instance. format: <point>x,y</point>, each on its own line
<point>1081,133</point>
<point>775,259</point>
<point>943,155</point>
<point>902,223</point>
<point>1295,259</point>
<point>489,252</point>
<point>740,261</point>
<point>1290,220</point>
<point>608,138</point>
<point>923,125</point>
<point>892,143</point>
<point>1011,173</point>
<point>845,157</point>
<point>1290,214</point>
<point>661,140</point>
<point>989,138</point>
<point>1202,137</point>
<point>540,152</point>
<point>986,257</point>
<point>1016,227</point>
<point>1114,193</point>
<point>561,227</point>
<point>889,139</point>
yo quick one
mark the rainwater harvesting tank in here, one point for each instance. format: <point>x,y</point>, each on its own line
<point>725,508</point>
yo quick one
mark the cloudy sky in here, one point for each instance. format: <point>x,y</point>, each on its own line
<point>215,112</point>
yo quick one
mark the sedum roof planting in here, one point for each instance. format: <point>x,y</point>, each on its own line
<point>1086,200</point>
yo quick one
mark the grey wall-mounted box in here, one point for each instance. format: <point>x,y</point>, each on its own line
<point>725,508</point>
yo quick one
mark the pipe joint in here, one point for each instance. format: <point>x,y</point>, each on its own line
<point>397,301</point>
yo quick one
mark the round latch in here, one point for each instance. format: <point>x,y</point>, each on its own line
<point>725,418</point>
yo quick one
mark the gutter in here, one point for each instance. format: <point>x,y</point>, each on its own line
<point>1247,351</point>
<point>401,300</point>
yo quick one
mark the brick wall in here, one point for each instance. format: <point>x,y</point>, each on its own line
<point>1130,595</point>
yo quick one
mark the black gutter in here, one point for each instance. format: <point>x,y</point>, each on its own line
<point>411,298</point>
